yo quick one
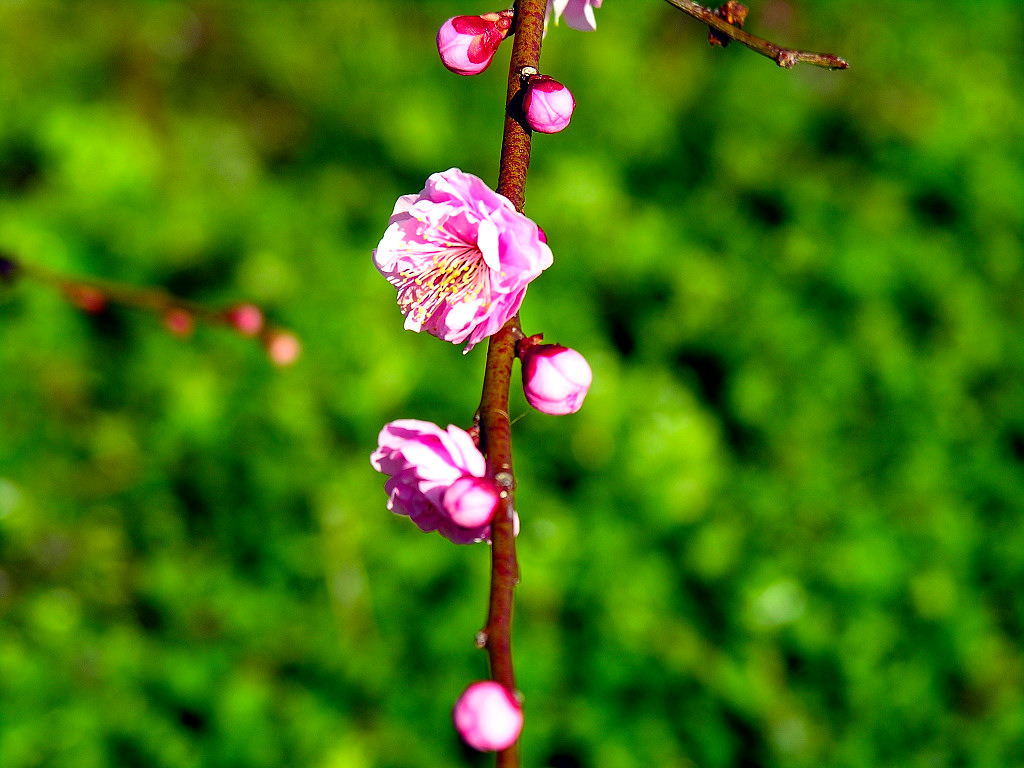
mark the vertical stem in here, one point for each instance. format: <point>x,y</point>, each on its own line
<point>515,142</point>
<point>495,428</point>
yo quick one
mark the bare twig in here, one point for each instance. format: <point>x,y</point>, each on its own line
<point>784,57</point>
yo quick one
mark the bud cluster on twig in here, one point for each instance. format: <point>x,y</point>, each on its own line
<point>178,316</point>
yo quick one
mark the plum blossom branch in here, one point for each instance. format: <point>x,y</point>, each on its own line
<point>495,427</point>
<point>726,23</point>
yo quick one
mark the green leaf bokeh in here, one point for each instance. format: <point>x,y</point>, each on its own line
<point>784,531</point>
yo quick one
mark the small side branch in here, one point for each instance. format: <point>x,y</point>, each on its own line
<point>179,315</point>
<point>784,57</point>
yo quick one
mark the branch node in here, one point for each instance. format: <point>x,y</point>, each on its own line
<point>733,13</point>
<point>787,59</point>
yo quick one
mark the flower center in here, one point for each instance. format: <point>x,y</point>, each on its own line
<point>449,271</point>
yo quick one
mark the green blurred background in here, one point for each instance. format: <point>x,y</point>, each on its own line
<point>784,531</point>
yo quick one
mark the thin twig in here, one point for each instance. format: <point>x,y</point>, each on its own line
<point>784,57</point>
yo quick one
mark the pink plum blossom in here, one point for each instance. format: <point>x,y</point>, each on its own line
<point>427,466</point>
<point>488,717</point>
<point>461,257</point>
<point>467,44</point>
<point>579,14</point>
<point>556,379</point>
<point>548,104</point>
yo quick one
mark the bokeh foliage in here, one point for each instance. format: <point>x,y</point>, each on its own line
<point>784,531</point>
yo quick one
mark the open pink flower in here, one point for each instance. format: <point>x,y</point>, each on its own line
<point>425,462</point>
<point>579,14</point>
<point>461,257</point>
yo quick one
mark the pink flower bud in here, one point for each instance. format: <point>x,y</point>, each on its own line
<point>488,717</point>
<point>247,319</point>
<point>178,322</point>
<point>555,378</point>
<point>468,43</point>
<point>86,298</point>
<point>471,501</point>
<point>548,104</point>
<point>282,348</point>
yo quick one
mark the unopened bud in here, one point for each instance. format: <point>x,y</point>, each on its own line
<point>283,348</point>
<point>178,321</point>
<point>471,501</point>
<point>556,379</point>
<point>488,717</point>
<point>247,319</point>
<point>467,44</point>
<point>86,298</point>
<point>548,105</point>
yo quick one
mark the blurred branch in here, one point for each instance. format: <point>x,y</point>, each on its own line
<point>726,24</point>
<point>178,315</point>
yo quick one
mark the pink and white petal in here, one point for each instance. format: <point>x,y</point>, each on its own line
<point>579,14</point>
<point>487,243</point>
<point>464,452</point>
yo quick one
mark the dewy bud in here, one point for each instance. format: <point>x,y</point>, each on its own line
<point>548,104</point>
<point>471,501</point>
<point>488,717</point>
<point>555,378</point>
<point>468,43</point>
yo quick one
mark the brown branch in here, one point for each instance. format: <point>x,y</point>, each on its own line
<point>784,57</point>
<point>495,428</point>
<point>515,141</point>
